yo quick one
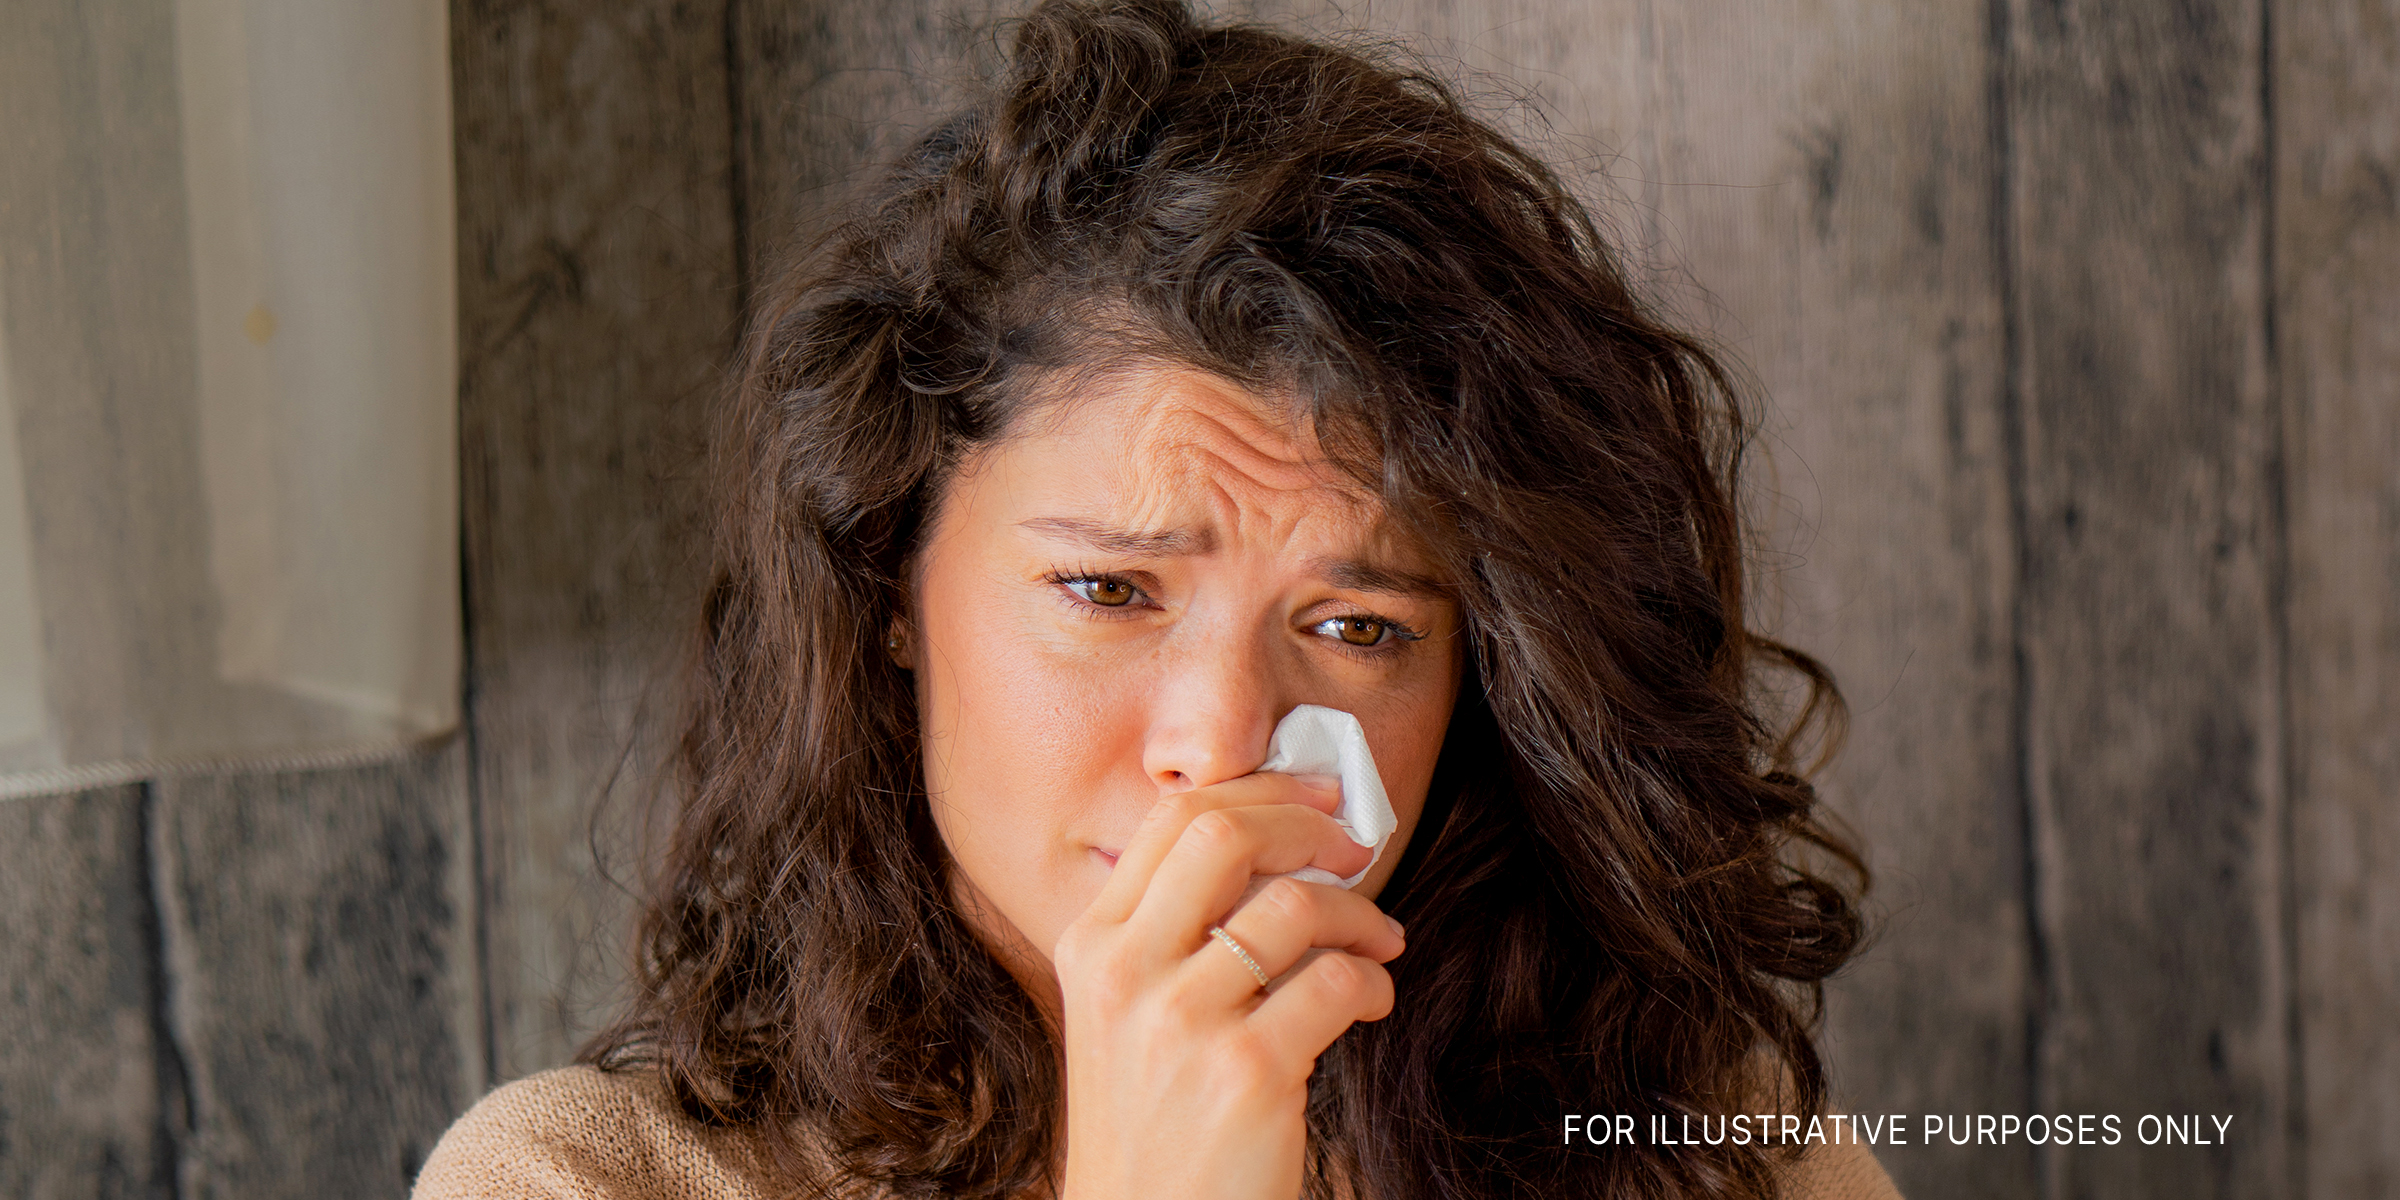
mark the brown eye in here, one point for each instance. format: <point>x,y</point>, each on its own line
<point>1107,593</point>
<point>1360,631</point>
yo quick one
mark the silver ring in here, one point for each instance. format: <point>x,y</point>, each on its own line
<point>1259,972</point>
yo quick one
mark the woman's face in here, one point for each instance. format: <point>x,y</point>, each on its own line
<point>1119,602</point>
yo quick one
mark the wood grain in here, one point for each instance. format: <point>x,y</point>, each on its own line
<point>312,928</point>
<point>597,300</point>
<point>827,90</point>
<point>2337,322</point>
<point>1825,177</point>
<point>2150,537</point>
<point>90,1088</point>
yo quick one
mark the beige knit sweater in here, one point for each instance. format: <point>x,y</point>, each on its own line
<point>579,1134</point>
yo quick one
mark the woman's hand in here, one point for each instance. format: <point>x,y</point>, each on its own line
<point>1183,1078</point>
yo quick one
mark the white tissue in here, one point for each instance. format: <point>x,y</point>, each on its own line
<point>1313,740</point>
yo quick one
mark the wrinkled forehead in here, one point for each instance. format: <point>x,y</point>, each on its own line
<point>1170,445</point>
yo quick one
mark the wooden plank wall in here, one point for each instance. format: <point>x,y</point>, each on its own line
<point>314,956</point>
<point>2149,536</point>
<point>90,1088</point>
<point>1835,224</point>
<point>2335,273</point>
<point>2079,328</point>
<point>597,301</point>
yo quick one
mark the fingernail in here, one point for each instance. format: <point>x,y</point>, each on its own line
<point>1323,783</point>
<point>1397,932</point>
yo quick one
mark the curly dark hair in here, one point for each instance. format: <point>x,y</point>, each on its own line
<point>1609,902</point>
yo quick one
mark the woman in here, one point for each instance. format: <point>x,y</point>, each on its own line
<point>1196,375</point>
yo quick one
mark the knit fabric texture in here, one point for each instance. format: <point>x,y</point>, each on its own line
<point>579,1133</point>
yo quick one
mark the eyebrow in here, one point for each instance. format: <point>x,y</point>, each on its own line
<point>1351,573</point>
<point>1107,539</point>
<point>1367,577</point>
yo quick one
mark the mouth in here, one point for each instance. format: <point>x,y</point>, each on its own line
<point>1110,856</point>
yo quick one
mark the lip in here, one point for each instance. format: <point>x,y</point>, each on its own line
<point>1110,855</point>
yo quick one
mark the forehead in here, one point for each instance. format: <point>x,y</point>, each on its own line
<point>1163,446</point>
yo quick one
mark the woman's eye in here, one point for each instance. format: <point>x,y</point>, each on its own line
<point>1359,631</point>
<point>1107,593</point>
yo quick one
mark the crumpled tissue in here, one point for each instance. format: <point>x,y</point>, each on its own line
<point>1314,740</point>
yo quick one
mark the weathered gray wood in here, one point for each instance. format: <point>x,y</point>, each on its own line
<point>827,90</point>
<point>2337,253</point>
<point>2150,534</point>
<point>90,1091</point>
<point>597,300</point>
<point>314,934</point>
<point>1824,175</point>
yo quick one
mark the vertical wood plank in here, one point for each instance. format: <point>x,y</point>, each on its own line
<point>317,948</point>
<point>2337,253</point>
<point>826,90</point>
<point>1825,173</point>
<point>596,299</point>
<point>2150,535</point>
<point>89,1089</point>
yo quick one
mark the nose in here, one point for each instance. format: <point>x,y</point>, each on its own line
<point>1213,711</point>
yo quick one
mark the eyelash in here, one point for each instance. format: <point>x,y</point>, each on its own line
<point>1401,634</point>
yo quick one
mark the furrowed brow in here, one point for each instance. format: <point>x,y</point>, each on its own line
<point>1367,577</point>
<point>1107,539</point>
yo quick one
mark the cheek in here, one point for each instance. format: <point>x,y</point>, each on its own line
<point>1023,750</point>
<point>1409,745</point>
<point>1009,723</point>
<point>1405,728</point>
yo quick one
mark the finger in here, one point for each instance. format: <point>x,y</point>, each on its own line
<point>1282,923</point>
<point>1289,917</point>
<point>1166,820</point>
<point>1303,1015</point>
<point>1205,872</point>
